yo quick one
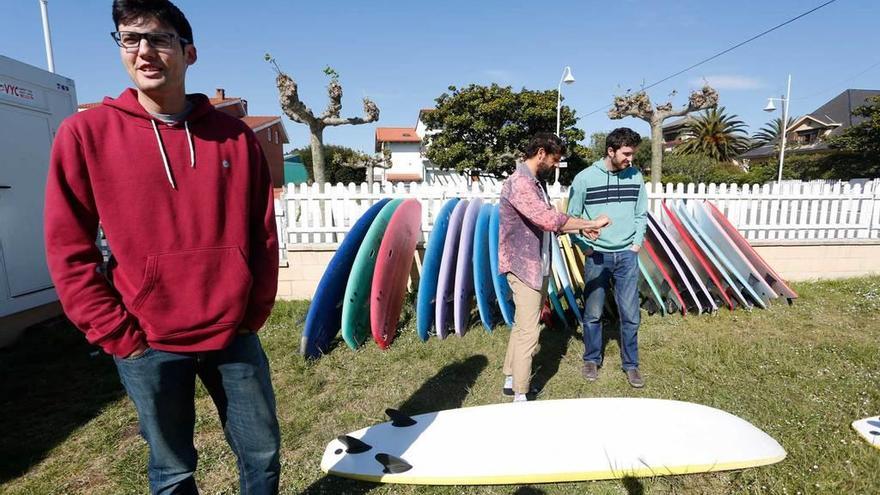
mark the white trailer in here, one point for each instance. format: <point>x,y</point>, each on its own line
<point>33,102</point>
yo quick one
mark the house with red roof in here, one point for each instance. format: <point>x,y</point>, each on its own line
<point>409,163</point>
<point>405,147</point>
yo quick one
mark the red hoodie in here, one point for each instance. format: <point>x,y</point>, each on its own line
<point>188,213</point>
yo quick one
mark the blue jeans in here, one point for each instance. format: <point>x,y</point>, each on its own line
<point>600,270</point>
<point>162,386</point>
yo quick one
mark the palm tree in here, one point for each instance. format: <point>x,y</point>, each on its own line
<point>715,135</point>
<point>770,132</point>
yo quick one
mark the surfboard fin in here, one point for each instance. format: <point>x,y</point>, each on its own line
<point>399,419</point>
<point>353,445</point>
<point>392,465</point>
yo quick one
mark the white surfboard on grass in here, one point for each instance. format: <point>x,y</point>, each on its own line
<point>552,441</point>
<point>869,429</point>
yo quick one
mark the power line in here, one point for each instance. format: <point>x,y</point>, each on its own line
<point>734,47</point>
<point>838,83</point>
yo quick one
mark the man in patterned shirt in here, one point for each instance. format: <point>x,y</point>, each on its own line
<point>527,224</point>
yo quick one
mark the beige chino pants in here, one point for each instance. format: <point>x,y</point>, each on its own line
<point>523,344</point>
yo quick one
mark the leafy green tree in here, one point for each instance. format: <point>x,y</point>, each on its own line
<point>714,134</point>
<point>863,138</point>
<point>338,164</point>
<point>642,158</point>
<point>834,165</point>
<point>482,129</point>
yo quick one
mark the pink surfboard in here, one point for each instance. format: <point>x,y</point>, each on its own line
<point>393,264</point>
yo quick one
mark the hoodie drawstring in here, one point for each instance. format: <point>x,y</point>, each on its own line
<point>164,157</point>
<point>192,151</point>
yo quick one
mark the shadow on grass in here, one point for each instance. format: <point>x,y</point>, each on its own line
<point>633,486</point>
<point>445,390</point>
<point>51,386</point>
<point>528,490</point>
<point>554,344</point>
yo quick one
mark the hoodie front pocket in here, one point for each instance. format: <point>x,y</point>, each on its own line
<point>193,290</point>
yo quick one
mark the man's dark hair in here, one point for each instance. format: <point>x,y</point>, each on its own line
<point>620,137</point>
<point>551,143</point>
<point>131,11</point>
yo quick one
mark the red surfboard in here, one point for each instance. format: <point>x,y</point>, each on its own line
<point>393,264</point>
<point>652,253</point>
<point>770,276</point>
<point>708,268</point>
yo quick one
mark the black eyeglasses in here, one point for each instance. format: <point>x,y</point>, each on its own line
<point>160,41</point>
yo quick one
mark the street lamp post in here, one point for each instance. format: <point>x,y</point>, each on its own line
<point>567,78</point>
<point>783,127</point>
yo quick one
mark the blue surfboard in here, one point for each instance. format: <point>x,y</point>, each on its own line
<point>464,272</point>
<point>499,280</point>
<point>324,318</point>
<point>483,285</point>
<point>427,296</point>
<point>443,307</point>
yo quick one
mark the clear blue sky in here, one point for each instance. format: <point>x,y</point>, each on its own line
<point>405,54</point>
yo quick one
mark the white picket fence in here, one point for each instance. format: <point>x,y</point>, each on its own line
<point>818,211</point>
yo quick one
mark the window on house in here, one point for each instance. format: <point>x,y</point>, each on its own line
<point>277,138</point>
<point>809,137</point>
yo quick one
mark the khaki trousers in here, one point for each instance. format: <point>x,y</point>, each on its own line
<point>523,344</point>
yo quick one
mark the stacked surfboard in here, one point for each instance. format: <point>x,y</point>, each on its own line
<point>461,268</point>
<point>364,285</point>
<point>696,261</point>
<point>693,260</point>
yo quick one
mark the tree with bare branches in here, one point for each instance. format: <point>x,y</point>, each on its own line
<point>368,162</point>
<point>639,105</point>
<point>298,112</point>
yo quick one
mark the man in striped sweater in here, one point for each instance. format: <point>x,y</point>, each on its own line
<point>612,186</point>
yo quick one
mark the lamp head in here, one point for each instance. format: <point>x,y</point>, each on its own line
<point>567,78</point>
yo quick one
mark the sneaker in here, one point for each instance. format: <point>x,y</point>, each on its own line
<point>508,386</point>
<point>532,395</point>
<point>635,378</point>
<point>590,371</point>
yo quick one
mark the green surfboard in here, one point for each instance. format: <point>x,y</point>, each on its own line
<point>652,288</point>
<point>356,304</point>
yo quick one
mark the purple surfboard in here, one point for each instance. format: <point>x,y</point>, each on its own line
<point>446,278</point>
<point>464,272</point>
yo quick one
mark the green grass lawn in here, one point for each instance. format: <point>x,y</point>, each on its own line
<point>801,373</point>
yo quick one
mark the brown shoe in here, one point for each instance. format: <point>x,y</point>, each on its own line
<point>635,378</point>
<point>590,371</point>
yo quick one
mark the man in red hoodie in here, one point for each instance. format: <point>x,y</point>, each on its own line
<point>183,194</point>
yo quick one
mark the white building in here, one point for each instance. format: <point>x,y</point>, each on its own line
<point>409,162</point>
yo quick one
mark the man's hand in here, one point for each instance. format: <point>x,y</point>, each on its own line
<point>635,248</point>
<point>602,221</point>
<point>137,352</point>
<point>591,234</point>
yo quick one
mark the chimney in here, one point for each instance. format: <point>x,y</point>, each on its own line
<point>221,94</point>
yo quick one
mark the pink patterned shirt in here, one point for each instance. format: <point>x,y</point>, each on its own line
<point>524,216</point>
